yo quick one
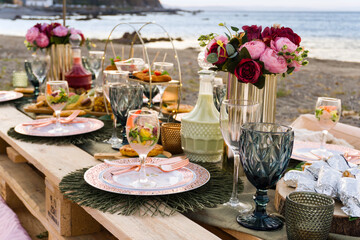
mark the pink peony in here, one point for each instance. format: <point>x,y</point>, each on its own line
<point>43,26</point>
<point>32,34</point>
<point>273,62</point>
<point>279,43</point>
<point>296,65</point>
<point>74,31</point>
<point>60,31</point>
<point>212,47</point>
<point>42,40</point>
<point>255,48</point>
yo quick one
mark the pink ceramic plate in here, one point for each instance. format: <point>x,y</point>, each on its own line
<point>185,179</point>
<point>89,125</point>
<point>9,95</point>
<point>302,150</point>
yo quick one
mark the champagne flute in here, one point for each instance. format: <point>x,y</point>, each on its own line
<point>327,113</point>
<point>57,93</point>
<point>39,65</point>
<point>233,114</point>
<point>94,61</point>
<point>142,130</point>
<point>113,77</point>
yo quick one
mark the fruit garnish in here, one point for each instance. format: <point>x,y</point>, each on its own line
<point>113,61</point>
<point>145,70</point>
<point>157,73</point>
<point>58,96</point>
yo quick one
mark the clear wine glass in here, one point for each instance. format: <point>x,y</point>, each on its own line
<point>57,93</point>
<point>233,114</point>
<point>142,130</point>
<point>40,63</point>
<point>163,68</point>
<point>111,77</point>
<point>327,112</point>
<point>265,151</point>
<point>94,60</point>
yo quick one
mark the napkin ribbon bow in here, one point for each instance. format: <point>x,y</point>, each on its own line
<point>69,119</point>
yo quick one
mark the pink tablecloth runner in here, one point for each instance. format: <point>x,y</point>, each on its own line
<point>10,227</point>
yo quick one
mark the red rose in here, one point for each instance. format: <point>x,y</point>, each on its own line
<point>271,33</point>
<point>222,57</point>
<point>289,33</point>
<point>253,32</point>
<point>248,71</point>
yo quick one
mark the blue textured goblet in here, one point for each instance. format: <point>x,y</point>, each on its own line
<point>265,150</point>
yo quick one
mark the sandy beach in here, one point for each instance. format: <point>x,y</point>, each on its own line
<point>297,93</point>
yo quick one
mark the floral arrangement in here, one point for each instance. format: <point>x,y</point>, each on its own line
<point>44,35</point>
<point>252,53</point>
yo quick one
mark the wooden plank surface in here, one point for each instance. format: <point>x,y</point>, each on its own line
<point>57,161</point>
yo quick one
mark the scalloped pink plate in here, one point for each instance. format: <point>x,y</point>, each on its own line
<point>69,129</point>
<point>302,150</point>
<point>9,95</point>
<point>184,179</point>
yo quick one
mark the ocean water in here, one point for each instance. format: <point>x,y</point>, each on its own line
<point>328,35</point>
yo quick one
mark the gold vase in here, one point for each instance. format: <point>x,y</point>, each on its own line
<point>266,96</point>
<point>60,61</point>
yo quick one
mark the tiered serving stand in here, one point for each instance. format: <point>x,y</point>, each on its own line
<point>138,35</point>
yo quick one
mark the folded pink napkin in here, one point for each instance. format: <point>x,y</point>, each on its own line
<point>10,227</point>
<point>69,119</point>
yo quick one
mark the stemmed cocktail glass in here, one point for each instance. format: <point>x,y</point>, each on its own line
<point>57,93</point>
<point>265,151</point>
<point>327,112</point>
<point>142,130</point>
<point>233,114</point>
<point>39,65</point>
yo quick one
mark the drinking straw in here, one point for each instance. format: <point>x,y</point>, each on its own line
<point>156,55</point>
<point>164,57</point>
<point>113,50</point>
<point>122,53</point>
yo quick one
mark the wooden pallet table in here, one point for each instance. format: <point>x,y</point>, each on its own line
<point>30,175</point>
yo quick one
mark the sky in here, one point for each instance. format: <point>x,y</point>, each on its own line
<point>316,5</point>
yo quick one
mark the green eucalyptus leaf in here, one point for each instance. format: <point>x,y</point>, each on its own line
<point>290,70</point>
<point>212,58</point>
<point>244,38</point>
<point>261,82</point>
<point>232,65</point>
<point>235,42</point>
<point>228,36</point>
<point>235,29</point>
<point>244,53</point>
<point>230,49</point>
<point>233,55</point>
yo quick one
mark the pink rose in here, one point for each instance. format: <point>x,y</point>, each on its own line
<point>296,65</point>
<point>42,40</point>
<point>255,48</point>
<point>32,34</point>
<point>60,31</point>
<point>273,62</point>
<point>248,71</point>
<point>43,26</point>
<point>212,47</point>
<point>280,42</point>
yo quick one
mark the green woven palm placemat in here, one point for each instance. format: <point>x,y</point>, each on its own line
<point>216,191</point>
